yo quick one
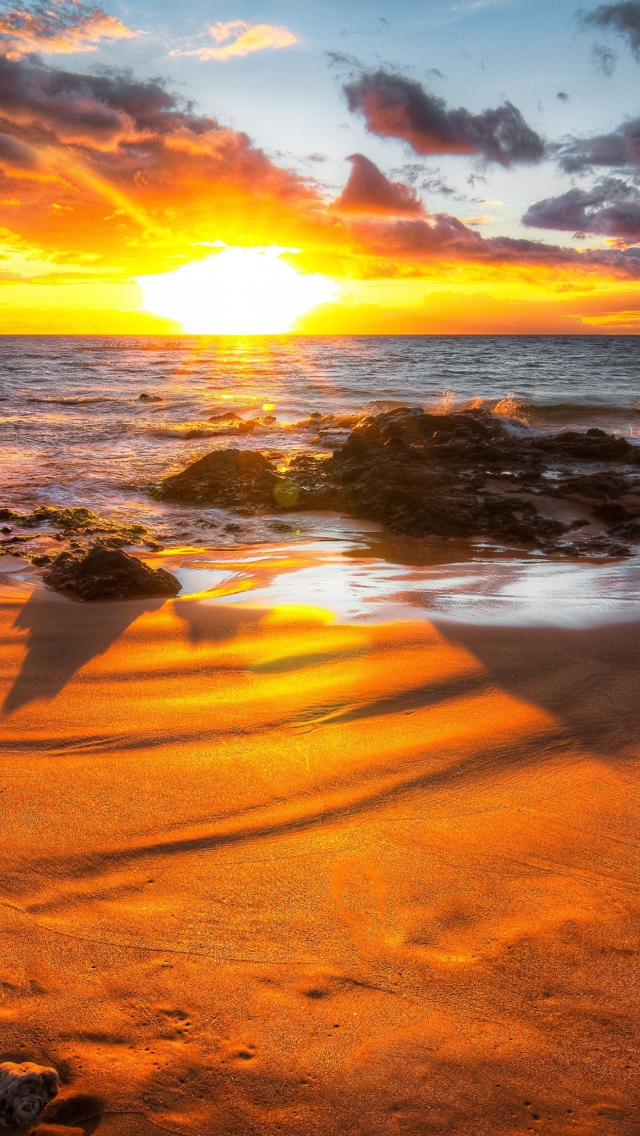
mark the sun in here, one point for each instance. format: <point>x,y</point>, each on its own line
<point>238,291</point>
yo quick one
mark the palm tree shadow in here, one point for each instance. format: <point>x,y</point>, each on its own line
<point>217,622</point>
<point>588,678</point>
<point>63,635</point>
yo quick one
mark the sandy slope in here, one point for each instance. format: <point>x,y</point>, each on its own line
<point>264,872</point>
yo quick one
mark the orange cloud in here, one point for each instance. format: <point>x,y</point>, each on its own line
<point>63,27</point>
<point>369,191</point>
<point>243,39</point>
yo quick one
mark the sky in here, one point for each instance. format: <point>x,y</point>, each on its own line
<point>355,166</point>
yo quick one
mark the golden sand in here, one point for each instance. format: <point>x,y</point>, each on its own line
<point>264,871</point>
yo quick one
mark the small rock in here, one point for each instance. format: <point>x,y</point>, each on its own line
<point>144,397</point>
<point>108,574</point>
<point>24,1091</point>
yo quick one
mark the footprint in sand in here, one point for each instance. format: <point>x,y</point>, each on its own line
<point>359,891</point>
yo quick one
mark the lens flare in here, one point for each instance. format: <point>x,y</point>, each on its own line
<point>238,291</point>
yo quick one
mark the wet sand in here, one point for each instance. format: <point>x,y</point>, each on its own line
<point>266,870</point>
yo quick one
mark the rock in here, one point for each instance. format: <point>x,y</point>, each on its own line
<point>24,1091</point>
<point>224,479</point>
<point>108,574</point>
<point>144,397</point>
<point>74,520</point>
<point>591,446</point>
<point>434,474</point>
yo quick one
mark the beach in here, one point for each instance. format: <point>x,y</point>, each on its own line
<point>273,864</point>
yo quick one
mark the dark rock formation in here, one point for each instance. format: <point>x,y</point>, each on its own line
<point>231,478</point>
<point>438,474</point>
<point>25,1089</point>
<point>76,520</point>
<point>108,574</point>
<point>144,397</point>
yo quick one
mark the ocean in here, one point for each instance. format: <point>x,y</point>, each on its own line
<point>74,431</point>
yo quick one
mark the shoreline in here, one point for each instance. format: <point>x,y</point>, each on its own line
<point>267,864</point>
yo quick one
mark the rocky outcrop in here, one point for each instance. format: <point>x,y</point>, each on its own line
<point>108,574</point>
<point>231,479</point>
<point>452,475</point>
<point>25,1090</point>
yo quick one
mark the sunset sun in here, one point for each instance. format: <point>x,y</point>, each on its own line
<point>238,291</point>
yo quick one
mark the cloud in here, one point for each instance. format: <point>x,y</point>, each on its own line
<point>605,59</point>
<point>369,191</point>
<point>125,165</point>
<point>446,239</point>
<point>122,174</point>
<point>618,149</point>
<point>16,154</point>
<point>396,107</point>
<point>610,209</point>
<point>243,39</point>
<point>62,27</point>
<point>623,18</point>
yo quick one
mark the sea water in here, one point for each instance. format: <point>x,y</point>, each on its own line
<point>73,430</point>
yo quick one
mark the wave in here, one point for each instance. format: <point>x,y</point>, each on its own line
<point>75,401</point>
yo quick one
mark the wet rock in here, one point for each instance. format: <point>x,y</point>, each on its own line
<point>432,474</point>
<point>630,530</point>
<point>75,520</point>
<point>25,1090</point>
<point>225,479</point>
<point>595,546</point>
<point>228,416</point>
<point>615,514</point>
<point>108,574</point>
<point>599,486</point>
<point>144,397</point>
<point>590,446</point>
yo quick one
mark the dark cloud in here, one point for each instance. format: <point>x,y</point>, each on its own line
<point>563,96</point>
<point>127,127</point>
<point>16,154</point>
<point>623,18</point>
<point>396,107</point>
<point>442,237</point>
<point>616,150</point>
<point>427,180</point>
<point>369,191</point>
<point>610,209</point>
<point>605,59</point>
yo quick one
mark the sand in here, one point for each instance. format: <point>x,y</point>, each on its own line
<point>266,871</point>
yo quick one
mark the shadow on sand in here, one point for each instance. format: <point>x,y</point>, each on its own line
<point>62,636</point>
<point>588,678</point>
<point>217,622</point>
